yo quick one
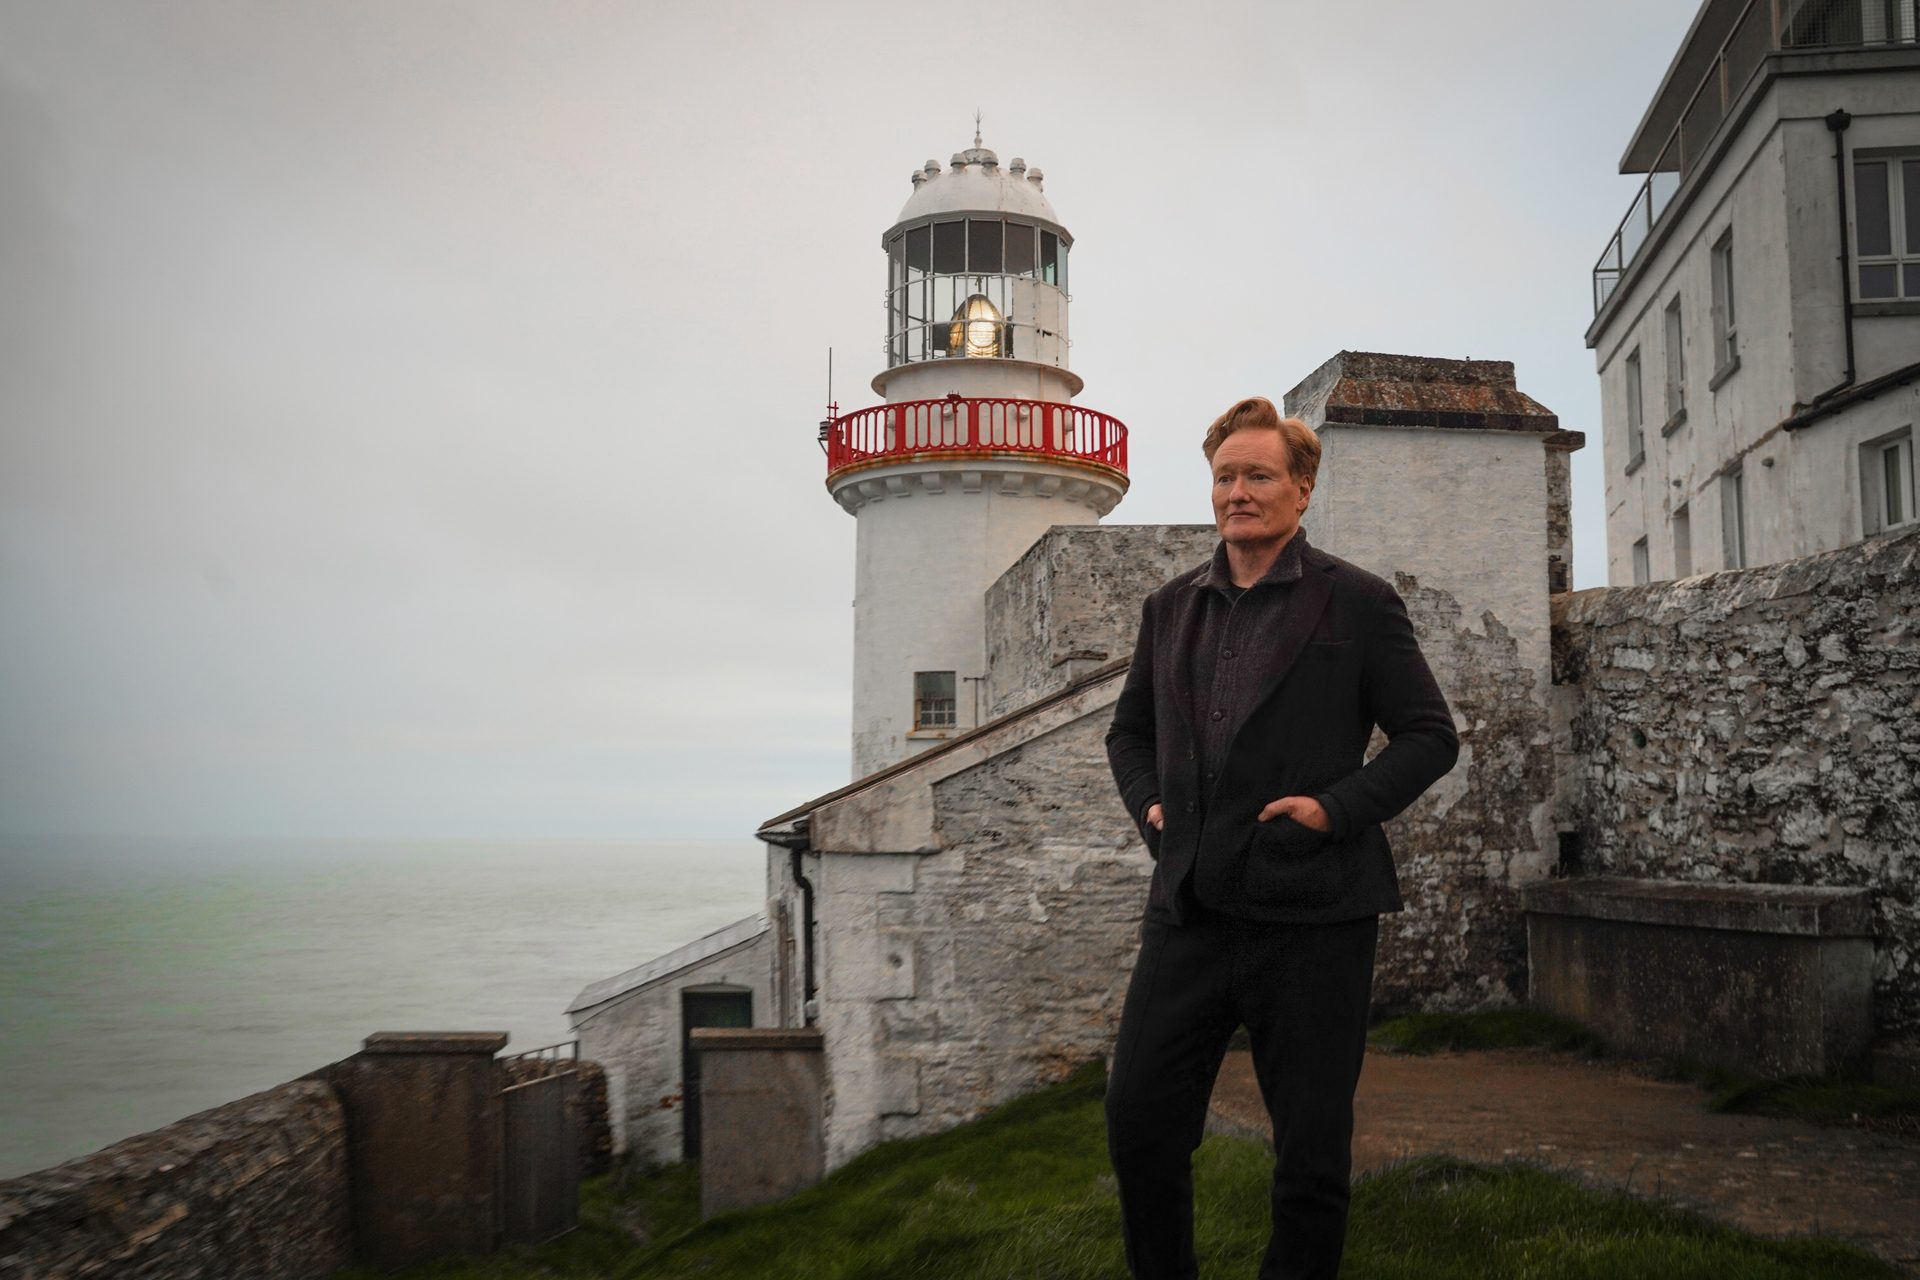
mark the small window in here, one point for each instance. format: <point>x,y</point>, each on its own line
<point>1019,250</point>
<point>1886,482</point>
<point>1676,364</point>
<point>933,701</point>
<point>1642,565</point>
<point>920,248</point>
<point>1886,228</point>
<point>1733,518</point>
<point>1636,446</point>
<point>983,247</point>
<point>1050,259</point>
<point>1726,345</point>
<point>1682,542</point>
<point>949,248</point>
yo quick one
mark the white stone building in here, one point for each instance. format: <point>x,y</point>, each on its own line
<point>1757,314</point>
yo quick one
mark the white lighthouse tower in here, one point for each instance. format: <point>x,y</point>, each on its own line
<point>976,451</point>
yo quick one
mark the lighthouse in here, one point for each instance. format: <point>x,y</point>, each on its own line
<point>975,450</point>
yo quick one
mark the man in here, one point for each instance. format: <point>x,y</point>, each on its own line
<point>1238,746</point>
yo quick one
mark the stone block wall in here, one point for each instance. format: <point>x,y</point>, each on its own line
<point>1755,726</point>
<point>257,1188</point>
<point>1464,847</point>
<point>1025,927</point>
<point>1072,602</point>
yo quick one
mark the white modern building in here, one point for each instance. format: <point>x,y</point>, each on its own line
<point>1757,313</point>
<point>976,451</point>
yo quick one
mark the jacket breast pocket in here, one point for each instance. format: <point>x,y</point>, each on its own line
<point>1289,864</point>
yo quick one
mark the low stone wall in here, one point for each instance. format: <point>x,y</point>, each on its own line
<point>1756,726</point>
<point>1769,980</point>
<point>255,1188</point>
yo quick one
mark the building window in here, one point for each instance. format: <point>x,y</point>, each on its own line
<point>1642,566</point>
<point>1733,518</point>
<point>1886,228</point>
<point>1676,368</point>
<point>933,702</point>
<point>1636,446</point>
<point>1886,482</point>
<point>1682,542</point>
<point>1726,345</point>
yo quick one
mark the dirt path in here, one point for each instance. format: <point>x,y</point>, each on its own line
<point>1598,1119</point>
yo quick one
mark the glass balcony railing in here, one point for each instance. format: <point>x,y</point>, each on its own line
<point>1763,27</point>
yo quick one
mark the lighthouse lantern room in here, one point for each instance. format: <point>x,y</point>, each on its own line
<point>976,450</point>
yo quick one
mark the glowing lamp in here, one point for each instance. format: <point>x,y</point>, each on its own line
<point>976,328</point>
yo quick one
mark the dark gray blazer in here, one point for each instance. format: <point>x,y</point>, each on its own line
<point>1343,660</point>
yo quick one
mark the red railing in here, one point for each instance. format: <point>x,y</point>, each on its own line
<point>959,424</point>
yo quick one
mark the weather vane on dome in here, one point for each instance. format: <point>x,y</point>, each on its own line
<point>976,126</point>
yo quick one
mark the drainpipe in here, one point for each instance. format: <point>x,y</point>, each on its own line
<point>1838,122</point>
<point>806,931</point>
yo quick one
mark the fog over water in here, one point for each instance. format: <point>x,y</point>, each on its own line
<point>142,982</point>
<point>407,410</point>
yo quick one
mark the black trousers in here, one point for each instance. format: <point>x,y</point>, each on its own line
<point>1302,993</point>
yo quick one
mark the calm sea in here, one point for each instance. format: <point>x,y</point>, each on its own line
<point>140,983</point>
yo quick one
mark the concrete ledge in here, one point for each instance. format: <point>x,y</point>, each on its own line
<point>1691,904</point>
<point>805,1038</point>
<point>1762,979</point>
<point>487,1042</point>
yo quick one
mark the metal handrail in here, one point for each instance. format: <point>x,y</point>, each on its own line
<point>1763,27</point>
<point>976,425</point>
<point>564,1050</point>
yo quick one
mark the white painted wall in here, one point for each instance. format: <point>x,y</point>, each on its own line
<point>1774,187</point>
<point>933,537</point>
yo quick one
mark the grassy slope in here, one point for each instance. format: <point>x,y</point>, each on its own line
<point>1026,1192</point>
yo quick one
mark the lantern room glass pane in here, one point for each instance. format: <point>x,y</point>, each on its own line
<point>1020,248</point>
<point>1874,220</point>
<point>983,247</point>
<point>949,248</point>
<point>919,247</point>
<point>1050,257</point>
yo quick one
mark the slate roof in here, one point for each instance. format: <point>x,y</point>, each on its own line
<point>679,958</point>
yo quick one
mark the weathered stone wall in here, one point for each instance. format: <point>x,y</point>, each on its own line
<point>1025,927</point>
<point>1072,602</point>
<point>1559,517</point>
<point>255,1188</point>
<point>1756,726</point>
<point>1464,848</point>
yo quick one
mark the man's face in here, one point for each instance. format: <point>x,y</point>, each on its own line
<point>1255,498</point>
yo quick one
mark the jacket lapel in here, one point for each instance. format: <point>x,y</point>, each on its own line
<point>1178,655</point>
<point>1308,602</point>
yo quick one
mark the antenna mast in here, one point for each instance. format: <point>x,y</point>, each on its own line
<point>833,410</point>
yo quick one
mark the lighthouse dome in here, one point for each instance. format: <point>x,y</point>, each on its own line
<point>976,182</point>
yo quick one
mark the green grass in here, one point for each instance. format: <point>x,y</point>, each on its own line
<point>1816,1099</point>
<point>1026,1192</point>
<point>1484,1029</point>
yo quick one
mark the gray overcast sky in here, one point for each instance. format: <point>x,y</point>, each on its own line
<point>407,409</point>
